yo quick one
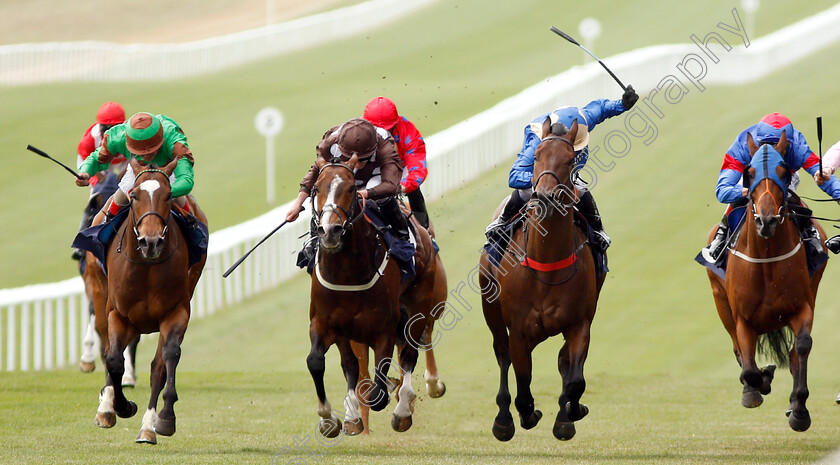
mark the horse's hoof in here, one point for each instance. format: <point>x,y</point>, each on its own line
<point>837,399</point>
<point>751,399</point>
<point>87,367</point>
<point>800,423</point>
<point>436,389</point>
<point>401,425</point>
<point>132,410</point>
<point>165,427</point>
<point>378,399</point>
<point>128,382</point>
<point>502,432</point>
<point>583,411</point>
<point>766,379</point>
<point>564,430</point>
<point>146,437</point>
<point>106,419</point>
<point>531,421</point>
<point>329,428</point>
<point>353,427</point>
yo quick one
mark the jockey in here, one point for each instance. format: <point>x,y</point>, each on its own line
<point>149,139</point>
<point>109,114</point>
<point>382,112</point>
<point>594,113</point>
<point>729,189</point>
<point>831,161</point>
<point>377,173</point>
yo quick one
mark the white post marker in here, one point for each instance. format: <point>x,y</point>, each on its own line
<point>590,29</point>
<point>750,6</point>
<point>269,122</point>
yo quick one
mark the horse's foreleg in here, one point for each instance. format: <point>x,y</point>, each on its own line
<point>751,376</point>
<point>172,332</point>
<point>157,379</point>
<point>86,361</point>
<point>330,425</point>
<point>434,386</point>
<point>376,392</point>
<point>570,363</point>
<point>361,352</point>
<point>799,418</point>
<point>112,399</point>
<point>353,423</point>
<point>503,427</point>
<point>520,355</point>
<point>129,378</point>
<point>401,421</point>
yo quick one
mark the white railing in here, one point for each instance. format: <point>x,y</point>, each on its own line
<point>42,323</point>
<point>37,63</point>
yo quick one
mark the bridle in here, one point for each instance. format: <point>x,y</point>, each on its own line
<point>350,218</point>
<point>552,173</point>
<point>137,221</point>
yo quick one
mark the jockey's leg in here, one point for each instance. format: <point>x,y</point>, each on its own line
<point>118,201</point>
<point>513,204</point>
<point>718,242</point>
<point>586,205</point>
<point>418,207</point>
<point>802,218</point>
<point>391,211</point>
<point>307,253</point>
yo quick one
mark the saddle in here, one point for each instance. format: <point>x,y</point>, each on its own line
<point>497,244</point>
<point>96,239</point>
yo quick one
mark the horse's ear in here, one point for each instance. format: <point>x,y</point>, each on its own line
<point>751,144</point>
<point>573,131</point>
<point>321,163</point>
<point>782,145</point>
<point>352,162</point>
<point>170,167</point>
<point>135,165</point>
<point>546,127</point>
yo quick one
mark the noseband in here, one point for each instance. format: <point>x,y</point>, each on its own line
<point>349,220</point>
<point>151,212</point>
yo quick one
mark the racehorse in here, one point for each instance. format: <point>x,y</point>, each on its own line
<point>552,289</point>
<point>150,284</point>
<point>767,286</point>
<point>355,296</point>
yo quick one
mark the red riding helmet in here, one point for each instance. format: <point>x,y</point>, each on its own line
<point>382,112</point>
<point>110,113</point>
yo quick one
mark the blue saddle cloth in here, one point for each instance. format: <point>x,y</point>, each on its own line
<point>813,258</point>
<point>498,243</point>
<point>95,239</point>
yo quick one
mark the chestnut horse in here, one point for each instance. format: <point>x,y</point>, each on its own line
<point>536,302</point>
<point>767,286</point>
<point>150,284</point>
<point>356,294</point>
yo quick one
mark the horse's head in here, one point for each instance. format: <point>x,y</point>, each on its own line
<point>554,161</point>
<point>768,178</point>
<point>335,200</point>
<point>151,203</point>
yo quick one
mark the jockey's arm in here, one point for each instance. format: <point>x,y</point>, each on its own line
<point>184,177</point>
<point>728,188</point>
<point>523,168</point>
<point>415,157</point>
<point>830,187</point>
<point>599,110</point>
<point>390,171</point>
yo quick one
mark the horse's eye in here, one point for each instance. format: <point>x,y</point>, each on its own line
<point>132,194</point>
<point>169,197</point>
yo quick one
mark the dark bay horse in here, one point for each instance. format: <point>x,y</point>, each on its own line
<point>767,286</point>
<point>150,284</point>
<point>356,294</point>
<point>536,302</point>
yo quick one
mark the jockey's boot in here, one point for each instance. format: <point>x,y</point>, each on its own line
<point>390,209</point>
<point>418,207</point>
<point>87,218</point>
<point>833,244</point>
<point>719,241</point>
<point>811,237</point>
<point>513,203</point>
<point>307,253</point>
<point>587,207</point>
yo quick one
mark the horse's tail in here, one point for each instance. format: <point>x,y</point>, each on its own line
<point>776,345</point>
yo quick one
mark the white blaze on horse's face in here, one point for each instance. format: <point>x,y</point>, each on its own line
<point>329,206</point>
<point>150,186</point>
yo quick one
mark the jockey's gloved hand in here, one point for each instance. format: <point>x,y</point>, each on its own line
<point>629,98</point>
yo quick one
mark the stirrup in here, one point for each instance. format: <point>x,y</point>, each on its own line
<point>602,239</point>
<point>712,251</point>
<point>833,244</point>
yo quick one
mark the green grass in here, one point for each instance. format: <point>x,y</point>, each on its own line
<point>662,384</point>
<point>441,65</point>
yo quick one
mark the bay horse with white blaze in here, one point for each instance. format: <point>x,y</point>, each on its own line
<point>150,284</point>
<point>767,286</point>
<point>355,296</point>
<point>536,302</point>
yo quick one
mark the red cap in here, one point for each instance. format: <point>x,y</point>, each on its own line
<point>382,112</point>
<point>110,113</point>
<point>777,120</point>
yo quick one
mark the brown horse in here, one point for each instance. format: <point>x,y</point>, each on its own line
<point>149,288</point>
<point>356,295</point>
<point>767,286</point>
<point>536,302</point>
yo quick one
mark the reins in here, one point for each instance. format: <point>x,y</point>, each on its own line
<point>136,223</point>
